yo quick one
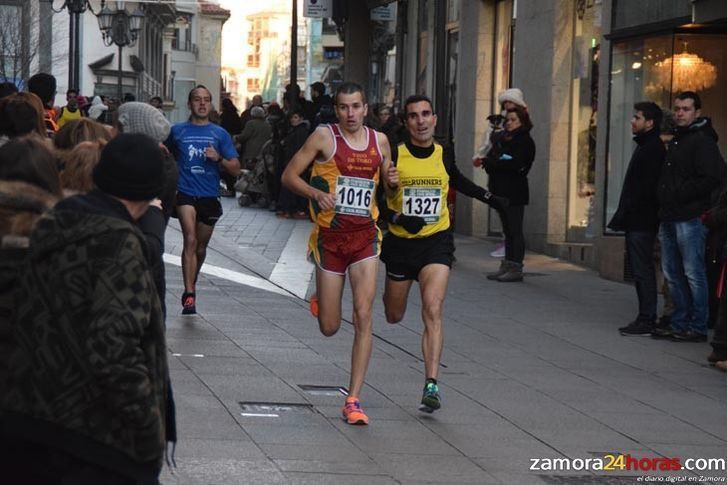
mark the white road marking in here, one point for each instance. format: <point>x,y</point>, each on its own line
<point>230,275</point>
<point>293,271</point>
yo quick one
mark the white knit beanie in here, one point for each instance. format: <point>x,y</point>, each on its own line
<point>135,117</point>
<point>513,95</point>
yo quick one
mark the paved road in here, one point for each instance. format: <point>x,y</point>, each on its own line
<point>531,370</point>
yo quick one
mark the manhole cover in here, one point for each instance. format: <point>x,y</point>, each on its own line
<point>273,409</point>
<point>324,390</point>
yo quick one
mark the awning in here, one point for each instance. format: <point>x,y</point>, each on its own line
<point>705,11</point>
<point>378,3</point>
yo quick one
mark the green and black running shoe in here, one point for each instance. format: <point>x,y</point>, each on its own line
<point>430,399</point>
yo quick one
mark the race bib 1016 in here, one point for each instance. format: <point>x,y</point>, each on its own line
<point>353,196</point>
<point>425,203</point>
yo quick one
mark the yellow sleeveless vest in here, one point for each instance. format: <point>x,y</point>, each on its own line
<point>423,187</point>
<point>67,116</point>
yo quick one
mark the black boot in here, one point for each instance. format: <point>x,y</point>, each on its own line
<point>514,273</point>
<point>504,268</point>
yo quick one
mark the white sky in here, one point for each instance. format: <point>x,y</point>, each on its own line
<point>234,32</point>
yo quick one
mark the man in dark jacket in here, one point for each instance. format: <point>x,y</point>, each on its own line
<point>693,171</point>
<point>86,394</point>
<point>320,100</point>
<point>290,204</point>
<point>637,212</point>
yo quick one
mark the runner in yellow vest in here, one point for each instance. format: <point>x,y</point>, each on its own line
<point>71,111</point>
<point>419,245</point>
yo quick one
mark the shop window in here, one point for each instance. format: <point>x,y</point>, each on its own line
<point>584,113</point>
<point>504,20</point>
<point>657,69</point>
<point>502,55</point>
<point>253,84</point>
<point>453,10</point>
<point>422,81</point>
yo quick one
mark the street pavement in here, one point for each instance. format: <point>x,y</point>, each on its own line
<point>533,370</point>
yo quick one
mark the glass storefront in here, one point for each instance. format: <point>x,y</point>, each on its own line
<point>502,54</point>
<point>584,114</point>
<point>655,69</point>
<point>422,80</point>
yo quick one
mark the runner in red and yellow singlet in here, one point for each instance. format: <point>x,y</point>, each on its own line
<point>348,160</point>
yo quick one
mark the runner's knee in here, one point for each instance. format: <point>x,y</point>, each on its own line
<point>432,311</point>
<point>329,327</point>
<point>362,318</point>
<point>329,323</point>
<point>190,243</point>
<point>394,316</point>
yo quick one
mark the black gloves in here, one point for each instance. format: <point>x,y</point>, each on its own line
<point>412,224</point>
<point>495,201</point>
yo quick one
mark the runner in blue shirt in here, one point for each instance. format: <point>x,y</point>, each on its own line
<point>201,150</point>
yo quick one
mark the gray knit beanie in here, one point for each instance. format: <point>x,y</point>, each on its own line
<point>257,112</point>
<point>135,117</point>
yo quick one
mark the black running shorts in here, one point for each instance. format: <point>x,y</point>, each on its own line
<point>405,258</point>
<point>208,209</point>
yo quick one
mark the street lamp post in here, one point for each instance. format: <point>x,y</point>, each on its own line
<point>121,28</point>
<point>75,9</point>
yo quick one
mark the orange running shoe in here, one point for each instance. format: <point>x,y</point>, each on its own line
<point>352,412</point>
<point>314,305</point>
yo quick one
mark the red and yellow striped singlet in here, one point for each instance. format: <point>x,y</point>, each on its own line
<point>353,176</point>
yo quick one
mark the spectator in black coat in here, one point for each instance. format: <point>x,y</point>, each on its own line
<point>508,163</point>
<point>716,221</point>
<point>290,204</point>
<point>637,212</point>
<point>693,171</point>
<point>319,99</point>
<point>230,121</point>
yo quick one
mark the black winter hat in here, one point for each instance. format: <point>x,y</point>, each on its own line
<point>131,167</point>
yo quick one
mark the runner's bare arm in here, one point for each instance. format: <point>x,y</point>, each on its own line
<point>232,166</point>
<point>317,145</point>
<point>389,173</point>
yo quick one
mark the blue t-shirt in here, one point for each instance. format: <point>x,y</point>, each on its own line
<point>198,175</point>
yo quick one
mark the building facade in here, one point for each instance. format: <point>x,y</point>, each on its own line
<point>581,65</point>
<point>196,53</point>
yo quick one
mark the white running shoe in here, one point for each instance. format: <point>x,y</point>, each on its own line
<point>499,251</point>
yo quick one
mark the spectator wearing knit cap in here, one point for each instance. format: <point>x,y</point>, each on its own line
<point>507,99</point>
<point>512,95</point>
<point>142,118</point>
<point>136,117</point>
<point>86,284</point>
<point>256,132</point>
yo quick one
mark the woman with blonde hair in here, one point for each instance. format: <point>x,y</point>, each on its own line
<point>77,131</point>
<point>78,165</point>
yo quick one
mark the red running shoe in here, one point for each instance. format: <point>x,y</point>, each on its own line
<point>188,304</point>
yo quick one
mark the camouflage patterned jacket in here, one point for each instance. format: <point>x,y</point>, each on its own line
<point>89,369</point>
